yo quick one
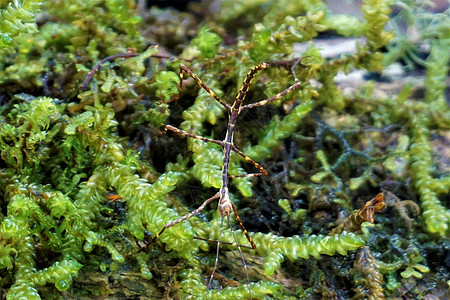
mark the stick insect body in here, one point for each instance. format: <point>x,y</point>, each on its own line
<point>225,206</point>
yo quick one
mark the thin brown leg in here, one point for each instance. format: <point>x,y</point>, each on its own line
<point>262,171</point>
<point>192,213</point>
<point>293,68</point>
<point>198,137</point>
<point>276,97</point>
<point>200,82</point>
<point>244,231</point>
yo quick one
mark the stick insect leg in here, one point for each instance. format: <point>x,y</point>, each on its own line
<point>244,231</point>
<point>198,137</point>
<point>262,171</point>
<point>246,84</point>
<point>235,244</point>
<point>183,68</point>
<point>293,68</point>
<point>192,213</point>
<point>276,97</point>
<point>281,94</point>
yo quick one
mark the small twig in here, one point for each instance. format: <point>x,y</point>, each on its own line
<point>90,75</point>
<point>130,53</point>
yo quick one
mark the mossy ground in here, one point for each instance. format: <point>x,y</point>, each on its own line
<point>329,147</point>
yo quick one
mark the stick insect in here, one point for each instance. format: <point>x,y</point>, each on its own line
<point>225,206</point>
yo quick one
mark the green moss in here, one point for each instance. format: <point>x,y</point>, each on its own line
<point>16,18</point>
<point>89,177</point>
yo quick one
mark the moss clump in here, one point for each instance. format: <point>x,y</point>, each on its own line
<point>88,177</point>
